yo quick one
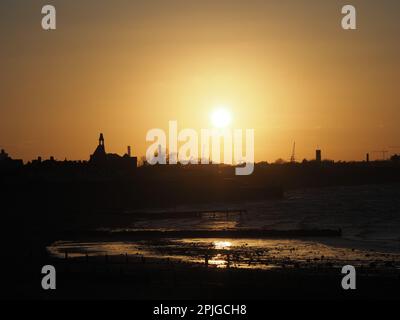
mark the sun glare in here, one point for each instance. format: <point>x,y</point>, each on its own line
<point>221,118</point>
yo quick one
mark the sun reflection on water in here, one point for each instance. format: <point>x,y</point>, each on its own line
<point>219,245</point>
<point>228,253</point>
<point>219,261</point>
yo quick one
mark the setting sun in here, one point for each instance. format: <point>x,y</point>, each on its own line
<point>221,118</point>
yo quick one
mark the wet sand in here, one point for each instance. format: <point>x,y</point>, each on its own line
<point>115,266</point>
<point>132,277</point>
<point>235,253</point>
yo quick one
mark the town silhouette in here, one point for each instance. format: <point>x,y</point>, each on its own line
<point>47,200</point>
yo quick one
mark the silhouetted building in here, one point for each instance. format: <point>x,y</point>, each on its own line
<point>395,157</point>
<point>6,162</point>
<point>100,157</point>
<point>3,155</point>
<point>367,157</point>
<point>318,155</point>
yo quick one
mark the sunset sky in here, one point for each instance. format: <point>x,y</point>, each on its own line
<point>284,68</point>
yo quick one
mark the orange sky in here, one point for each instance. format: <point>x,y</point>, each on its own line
<point>284,68</point>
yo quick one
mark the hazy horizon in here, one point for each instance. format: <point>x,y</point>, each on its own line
<point>283,68</point>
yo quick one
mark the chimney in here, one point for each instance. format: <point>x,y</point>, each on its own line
<point>318,155</point>
<point>367,158</point>
<point>129,151</point>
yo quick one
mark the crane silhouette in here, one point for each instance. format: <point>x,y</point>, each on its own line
<point>293,156</point>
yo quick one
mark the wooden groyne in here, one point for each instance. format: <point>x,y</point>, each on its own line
<point>244,233</point>
<point>187,214</point>
<point>181,234</point>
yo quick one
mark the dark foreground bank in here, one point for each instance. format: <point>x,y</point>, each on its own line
<point>122,278</point>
